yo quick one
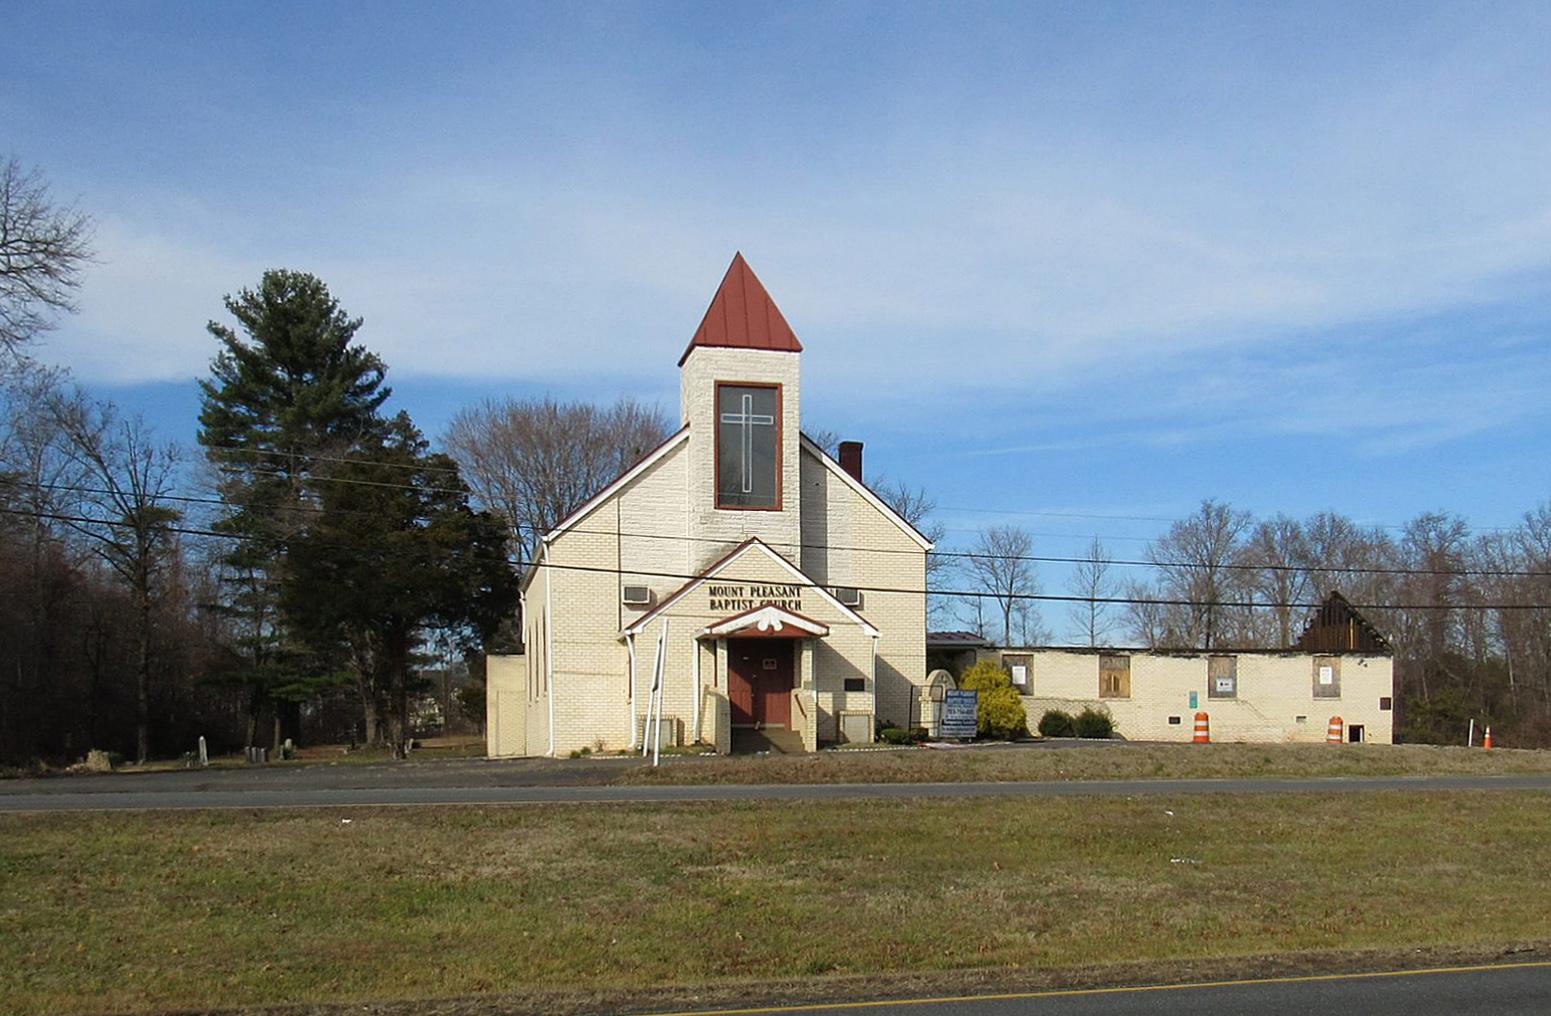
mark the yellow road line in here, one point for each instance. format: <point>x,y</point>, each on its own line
<point>1068,992</point>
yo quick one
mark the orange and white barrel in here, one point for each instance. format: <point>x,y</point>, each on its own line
<point>1203,733</point>
<point>1336,732</point>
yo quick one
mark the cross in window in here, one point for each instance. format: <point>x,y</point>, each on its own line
<point>748,420</point>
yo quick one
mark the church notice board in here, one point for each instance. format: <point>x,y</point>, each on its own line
<point>958,713</point>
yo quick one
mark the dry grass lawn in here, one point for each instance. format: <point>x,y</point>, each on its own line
<point>1108,761</point>
<point>154,911</point>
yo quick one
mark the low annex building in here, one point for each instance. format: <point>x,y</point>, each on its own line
<point>787,597</point>
<point>1340,667</point>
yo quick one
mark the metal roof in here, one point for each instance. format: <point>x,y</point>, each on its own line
<point>742,316</point>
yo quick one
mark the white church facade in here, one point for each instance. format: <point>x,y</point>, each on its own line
<point>786,597</point>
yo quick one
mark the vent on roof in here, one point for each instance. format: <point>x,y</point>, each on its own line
<point>636,596</point>
<point>848,596</point>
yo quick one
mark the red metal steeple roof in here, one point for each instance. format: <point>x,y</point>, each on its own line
<point>742,316</point>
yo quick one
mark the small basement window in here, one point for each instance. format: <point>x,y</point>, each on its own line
<point>1173,721</point>
<point>1222,677</point>
<point>1386,704</point>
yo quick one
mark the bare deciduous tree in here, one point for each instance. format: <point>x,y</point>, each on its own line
<point>44,246</point>
<point>1192,561</point>
<point>1274,558</point>
<point>122,507</point>
<point>826,439</point>
<point>999,565</point>
<point>1091,580</point>
<point>534,461</point>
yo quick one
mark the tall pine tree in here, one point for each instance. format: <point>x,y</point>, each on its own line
<point>288,389</point>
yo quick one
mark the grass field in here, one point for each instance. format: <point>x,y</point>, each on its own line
<point>1096,762</point>
<point>143,911</point>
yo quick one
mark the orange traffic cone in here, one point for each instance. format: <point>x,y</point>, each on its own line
<point>1486,742</point>
<point>1334,733</point>
<point>1203,730</point>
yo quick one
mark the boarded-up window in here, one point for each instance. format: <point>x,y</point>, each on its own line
<point>1222,677</point>
<point>1327,677</point>
<point>1018,667</point>
<point>1114,677</point>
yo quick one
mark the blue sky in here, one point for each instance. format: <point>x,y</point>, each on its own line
<point>1073,259</point>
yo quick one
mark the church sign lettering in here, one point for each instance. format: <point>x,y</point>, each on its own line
<point>734,599</point>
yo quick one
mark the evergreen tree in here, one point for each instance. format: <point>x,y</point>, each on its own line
<point>393,552</point>
<point>288,390</point>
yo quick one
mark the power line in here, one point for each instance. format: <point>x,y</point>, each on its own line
<point>964,555</point>
<point>958,593</point>
<point>1033,513</point>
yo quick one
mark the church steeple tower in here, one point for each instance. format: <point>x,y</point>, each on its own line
<point>739,392</point>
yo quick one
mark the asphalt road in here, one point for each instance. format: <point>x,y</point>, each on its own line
<point>1505,990</point>
<point>478,781</point>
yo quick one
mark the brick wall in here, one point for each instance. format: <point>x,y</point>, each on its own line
<point>1274,690</point>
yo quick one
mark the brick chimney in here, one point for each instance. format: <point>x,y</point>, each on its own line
<point>851,458</point>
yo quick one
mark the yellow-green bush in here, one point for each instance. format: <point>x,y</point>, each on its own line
<point>999,712</point>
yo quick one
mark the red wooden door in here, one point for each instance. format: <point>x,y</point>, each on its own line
<point>741,675</point>
<point>759,681</point>
<point>775,683</point>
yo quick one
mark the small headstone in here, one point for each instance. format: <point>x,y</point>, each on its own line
<point>98,761</point>
<point>204,753</point>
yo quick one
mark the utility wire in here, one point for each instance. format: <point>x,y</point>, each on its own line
<point>1099,516</point>
<point>963,594</point>
<point>955,554</point>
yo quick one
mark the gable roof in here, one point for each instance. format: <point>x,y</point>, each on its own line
<point>866,492</point>
<point>742,316</point>
<point>751,544</point>
<point>644,463</point>
<point>1336,626</point>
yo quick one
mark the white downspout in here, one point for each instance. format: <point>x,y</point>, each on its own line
<point>630,647</point>
<point>549,651</point>
<point>694,708</point>
<point>872,678</point>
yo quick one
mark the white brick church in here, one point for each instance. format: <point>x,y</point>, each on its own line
<point>787,598</point>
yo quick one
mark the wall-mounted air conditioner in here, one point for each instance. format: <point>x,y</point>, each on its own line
<point>848,596</point>
<point>636,596</point>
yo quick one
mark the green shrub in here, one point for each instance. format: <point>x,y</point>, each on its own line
<point>918,734</point>
<point>1093,723</point>
<point>1057,723</point>
<point>894,735</point>
<point>1000,710</point>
